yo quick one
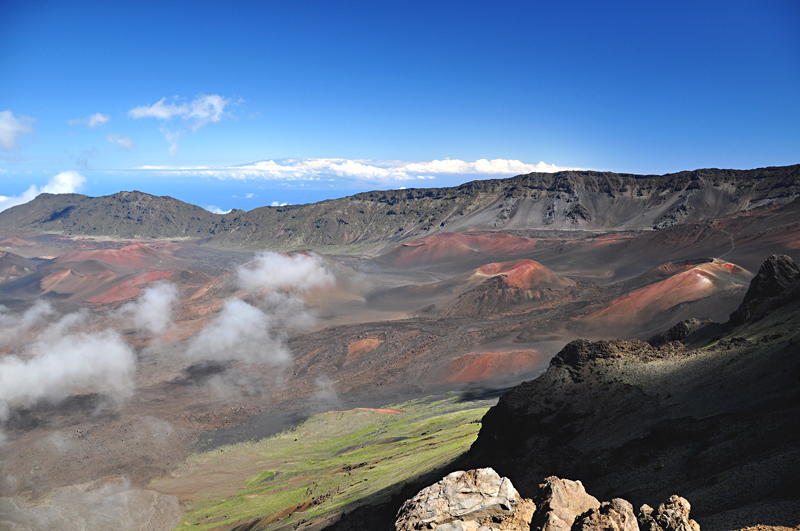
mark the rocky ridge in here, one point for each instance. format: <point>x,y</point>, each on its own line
<point>565,200</point>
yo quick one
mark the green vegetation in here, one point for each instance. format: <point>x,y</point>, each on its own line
<point>330,462</point>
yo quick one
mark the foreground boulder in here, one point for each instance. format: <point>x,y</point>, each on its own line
<point>672,515</point>
<point>467,501</point>
<point>616,515</point>
<point>559,502</point>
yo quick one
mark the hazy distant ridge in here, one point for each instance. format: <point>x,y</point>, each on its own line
<point>565,200</point>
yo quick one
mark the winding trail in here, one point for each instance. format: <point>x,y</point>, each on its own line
<point>733,245</point>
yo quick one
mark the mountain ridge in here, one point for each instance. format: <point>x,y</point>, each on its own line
<point>583,200</point>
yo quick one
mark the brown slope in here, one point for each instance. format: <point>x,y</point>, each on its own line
<point>445,247</point>
<point>13,266</point>
<point>136,257</point>
<point>684,283</point>
<point>515,286</point>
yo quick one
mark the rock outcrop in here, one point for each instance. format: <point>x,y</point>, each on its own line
<point>480,500</point>
<point>679,331</point>
<point>559,502</point>
<point>773,277</point>
<point>467,501</point>
<point>672,515</point>
<point>616,515</point>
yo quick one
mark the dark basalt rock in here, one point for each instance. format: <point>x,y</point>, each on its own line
<point>776,274</point>
<point>679,331</point>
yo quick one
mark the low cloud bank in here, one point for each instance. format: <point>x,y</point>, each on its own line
<point>325,397</point>
<point>54,357</point>
<point>66,182</point>
<point>273,271</point>
<point>56,367</point>
<point>241,332</point>
<point>255,333</point>
<point>360,170</point>
<point>153,311</point>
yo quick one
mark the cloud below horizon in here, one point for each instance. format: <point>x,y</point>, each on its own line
<point>359,170</point>
<point>59,359</point>
<point>66,182</point>
<point>254,332</point>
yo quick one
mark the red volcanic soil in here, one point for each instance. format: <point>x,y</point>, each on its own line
<point>136,256</point>
<point>487,366</point>
<point>608,239</point>
<point>687,283</point>
<point>15,242</point>
<point>450,246</point>
<point>68,282</point>
<point>128,288</point>
<point>524,274</point>
<point>359,348</point>
<point>383,411</point>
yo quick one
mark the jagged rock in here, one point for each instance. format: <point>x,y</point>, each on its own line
<point>773,277</point>
<point>777,272</point>
<point>559,502</point>
<point>467,501</point>
<point>616,515</point>
<point>672,515</point>
<point>679,331</point>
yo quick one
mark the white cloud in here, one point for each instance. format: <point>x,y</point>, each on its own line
<point>276,204</point>
<point>92,121</point>
<point>60,363</point>
<point>360,170</point>
<point>11,128</point>
<point>14,200</point>
<point>204,109</point>
<point>123,140</point>
<point>159,110</point>
<point>250,195</point>
<point>254,333</point>
<point>272,271</point>
<point>240,332</point>
<point>66,182</point>
<point>153,310</point>
<point>172,137</point>
<point>207,109</point>
<point>217,210</point>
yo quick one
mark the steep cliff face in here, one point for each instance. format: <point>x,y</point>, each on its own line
<point>566,200</point>
<point>720,425</point>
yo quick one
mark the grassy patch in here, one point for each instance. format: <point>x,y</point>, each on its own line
<point>331,461</point>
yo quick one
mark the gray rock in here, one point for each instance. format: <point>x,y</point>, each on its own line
<point>773,277</point>
<point>672,515</point>
<point>680,331</point>
<point>616,515</point>
<point>467,501</point>
<point>559,502</point>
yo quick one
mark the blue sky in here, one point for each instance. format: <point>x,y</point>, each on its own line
<point>249,103</point>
